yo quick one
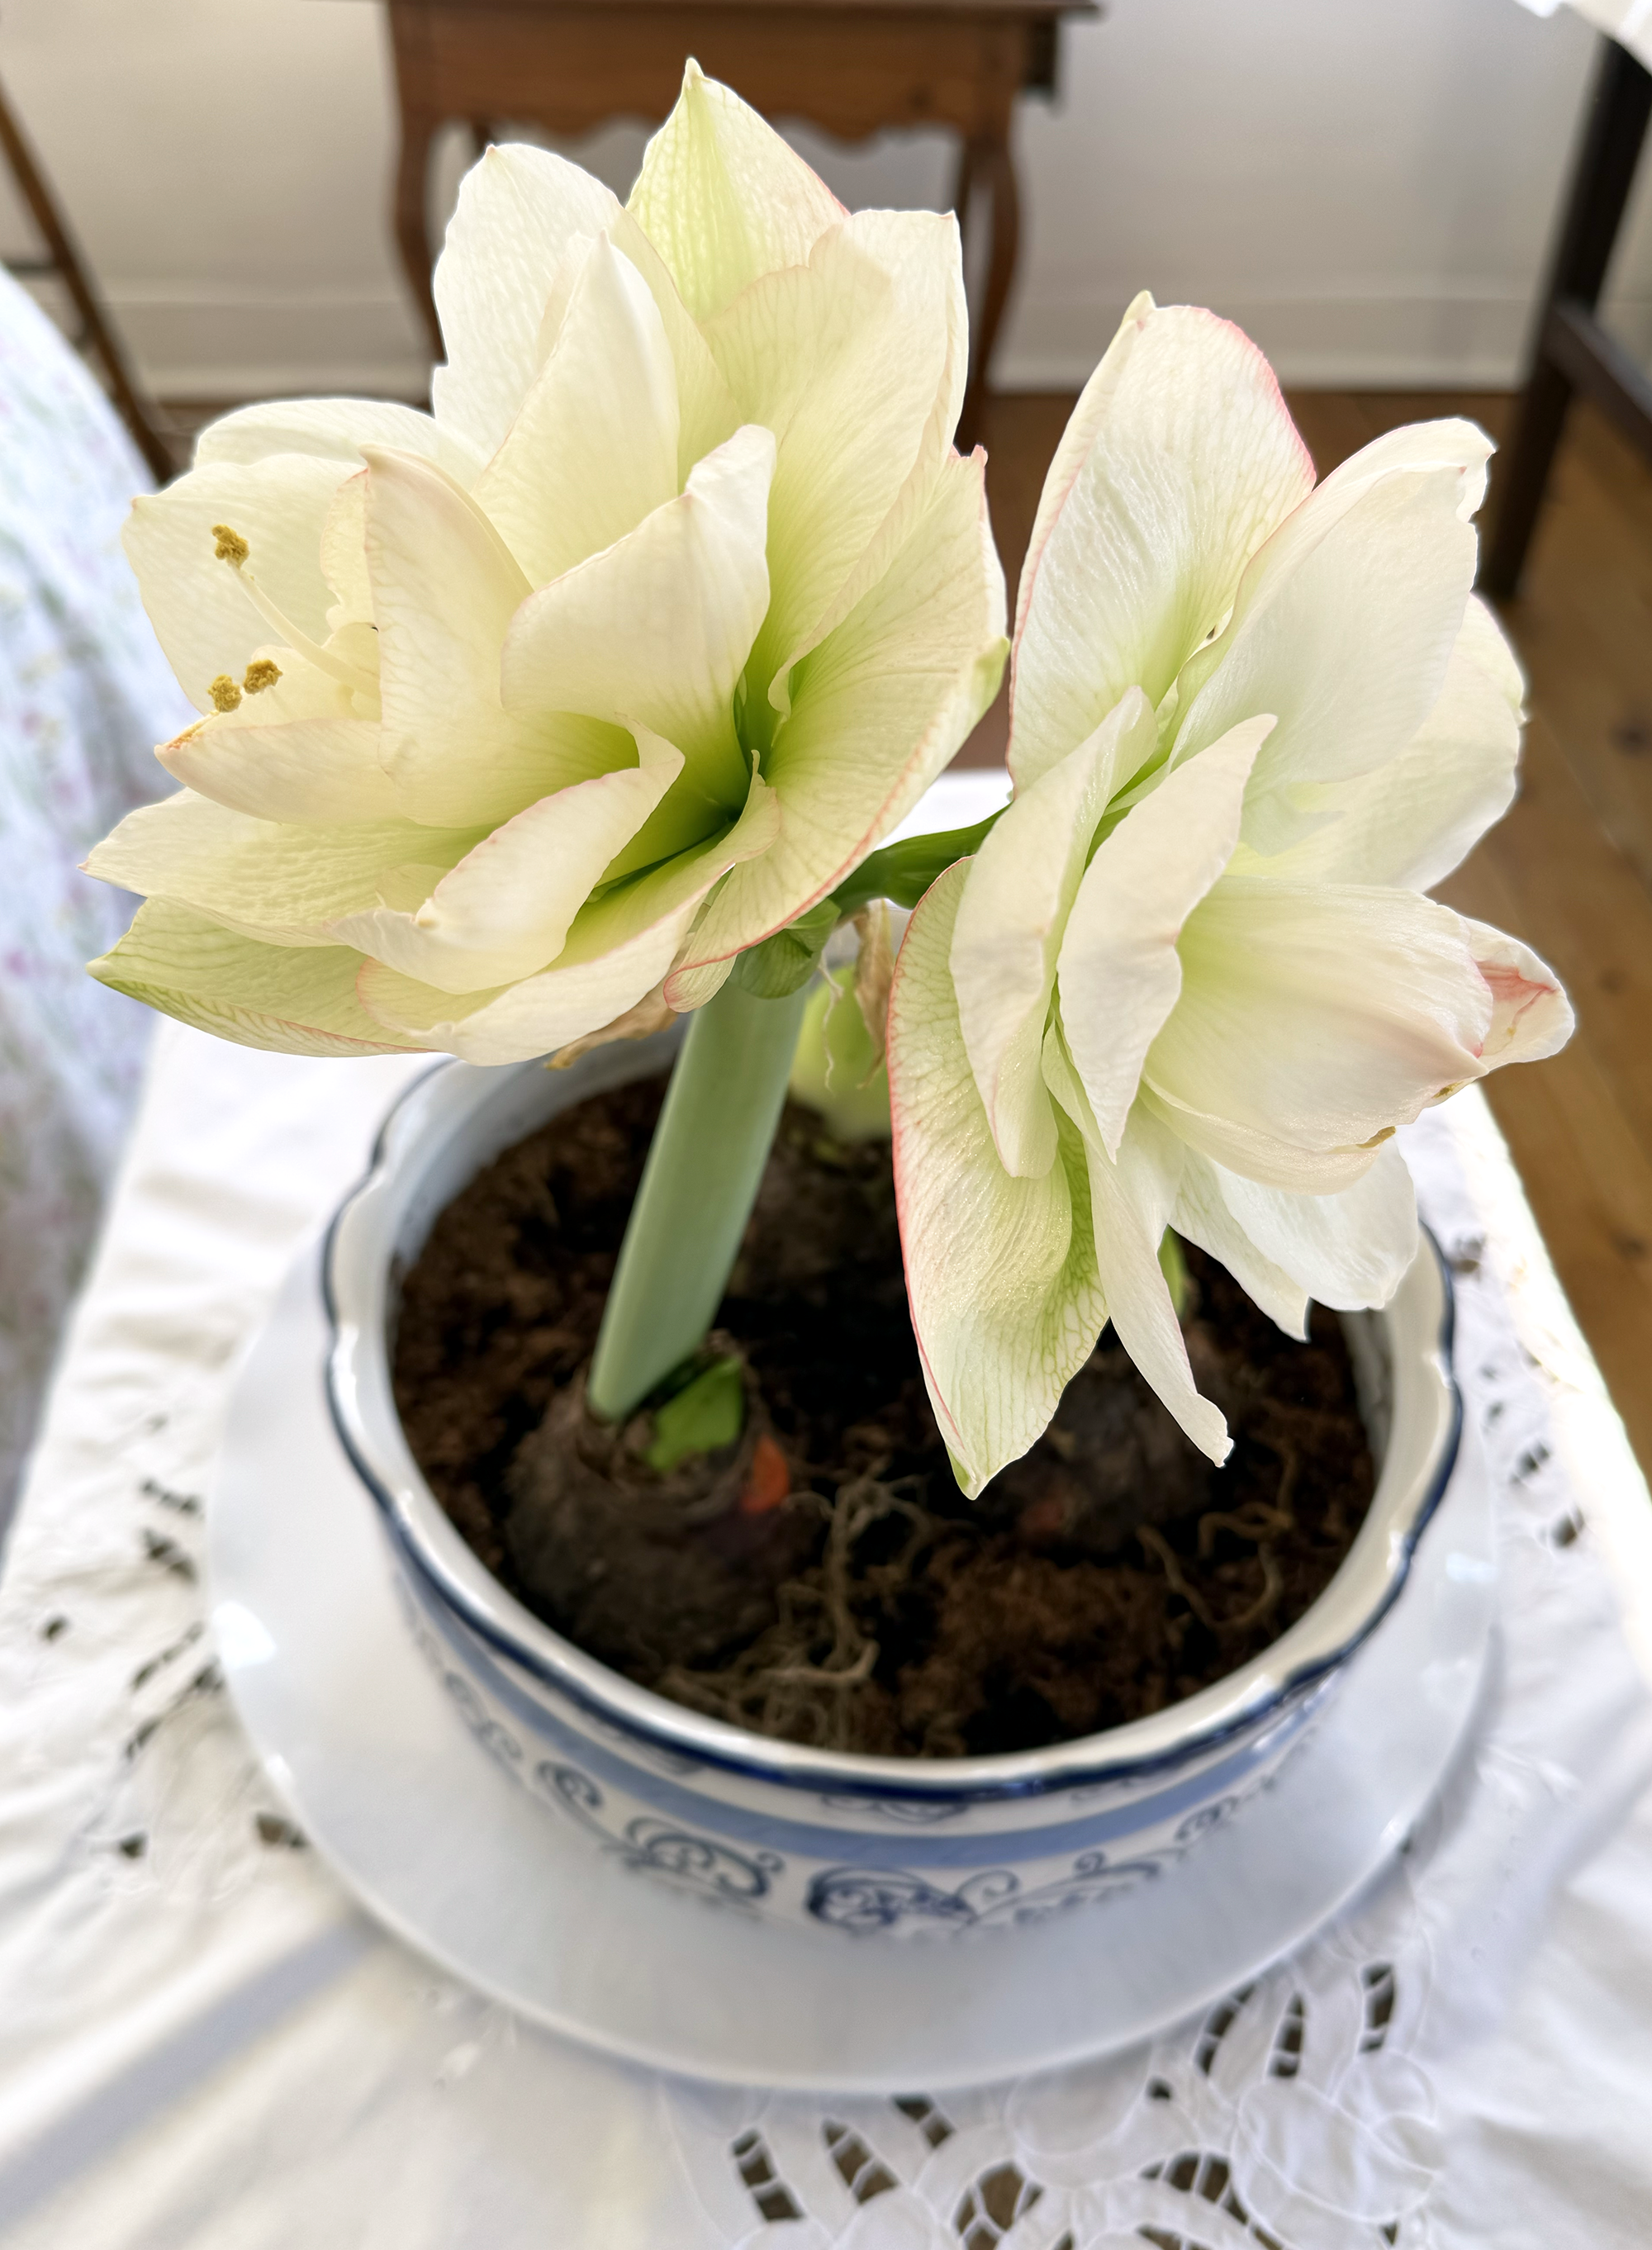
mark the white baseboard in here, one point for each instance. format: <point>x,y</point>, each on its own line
<point>368,340</point>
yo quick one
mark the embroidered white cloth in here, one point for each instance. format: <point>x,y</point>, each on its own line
<point>1629,21</point>
<point>204,2045</point>
<point>84,694</point>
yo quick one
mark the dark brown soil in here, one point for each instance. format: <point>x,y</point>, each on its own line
<point>823,1579</point>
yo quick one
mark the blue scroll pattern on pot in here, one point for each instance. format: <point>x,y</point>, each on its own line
<point>652,1846</point>
<point>868,1900</point>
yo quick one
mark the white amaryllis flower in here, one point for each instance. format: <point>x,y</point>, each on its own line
<point>606,670</point>
<point>1190,979</point>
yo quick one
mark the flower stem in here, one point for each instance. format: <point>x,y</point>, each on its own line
<point>698,1186</point>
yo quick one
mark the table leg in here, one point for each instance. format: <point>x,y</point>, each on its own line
<point>1572,347</point>
<point>985,163</point>
<point>412,227</point>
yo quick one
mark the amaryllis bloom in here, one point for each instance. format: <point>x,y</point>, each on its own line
<point>1191,980</point>
<point>607,669</point>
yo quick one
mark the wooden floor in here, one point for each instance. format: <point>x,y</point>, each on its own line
<point>1570,868</point>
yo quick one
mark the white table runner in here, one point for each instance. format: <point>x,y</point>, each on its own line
<point>203,2047</point>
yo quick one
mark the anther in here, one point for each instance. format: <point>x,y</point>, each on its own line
<point>259,675</point>
<point>229,546</point>
<point>225,692</point>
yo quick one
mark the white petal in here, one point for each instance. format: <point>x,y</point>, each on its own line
<point>657,629</point>
<point>1530,1016</point>
<point>1201,1215</point>
<point>298,1000</point>
<point>202,615</point>
<point>619,950</point>
<point>1010,925</point>
<point>722,198</point>
<point>1413,819</point>
<point>1179,460</point>
<point>285,885</point>
<point>1120,972</point>
<point>999,1271</point>
<point>706,411</point>
<point>344,551</point>
<point>1319,1016</point>
<point>1258,1153</point>
<point>290,753</point>
<point>1343,627</point>
<point>518,209</point>
<point>594,449</point>
<point>1449,443</point>
<point>445,591</point>
<point>1131,1204</point>
<point>507,907</point>
<point>882,706</point>
<point>1348,1250</point>
<point>855,360</point>
<point>331,430</point>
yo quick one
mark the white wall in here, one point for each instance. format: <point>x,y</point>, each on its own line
<point>1367,185</point>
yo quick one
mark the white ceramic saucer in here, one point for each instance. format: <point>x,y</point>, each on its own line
<point>446,1851</point>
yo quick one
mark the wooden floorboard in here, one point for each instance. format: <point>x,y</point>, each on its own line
<point>1569,870</point>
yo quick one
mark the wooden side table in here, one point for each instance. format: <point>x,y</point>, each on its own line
<point>851,68</point>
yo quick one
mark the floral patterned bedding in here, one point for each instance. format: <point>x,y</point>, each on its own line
<point>84,696</point>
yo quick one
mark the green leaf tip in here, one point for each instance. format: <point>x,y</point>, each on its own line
<point>709,1411</point>
<point>1173,1265</point>
<point>785,962</point>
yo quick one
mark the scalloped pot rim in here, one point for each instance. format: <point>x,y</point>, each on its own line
<point>456,1118</point>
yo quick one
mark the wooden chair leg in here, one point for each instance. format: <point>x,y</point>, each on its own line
<point>412,226</point>
<point>1600,185</point>
<point>986,162</point>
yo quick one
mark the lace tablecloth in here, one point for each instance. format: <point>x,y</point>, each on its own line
<point>203,2047</point>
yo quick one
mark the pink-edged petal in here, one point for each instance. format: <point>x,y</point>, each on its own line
<point>1120,973</point>
<point>999,1271</point>
<point>296,1000</point>
<point>1008,934</point>
<point>290,750</point>
<point>317,769</point>
<point>1178,462</point>
<point>283,883</point>
<point>1320,1016</point>
<point>1531,1015</point>
<point>1131,1201</point>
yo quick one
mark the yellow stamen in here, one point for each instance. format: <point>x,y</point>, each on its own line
<point>225,692</point>
<point>261,675</point>
<point>230,547</point>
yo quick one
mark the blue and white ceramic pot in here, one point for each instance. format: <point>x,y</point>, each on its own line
<point>848,1846</point>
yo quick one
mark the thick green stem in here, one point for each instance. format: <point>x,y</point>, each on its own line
<point>698,1187</point>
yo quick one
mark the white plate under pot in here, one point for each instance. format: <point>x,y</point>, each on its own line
<point>452,1855</point>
